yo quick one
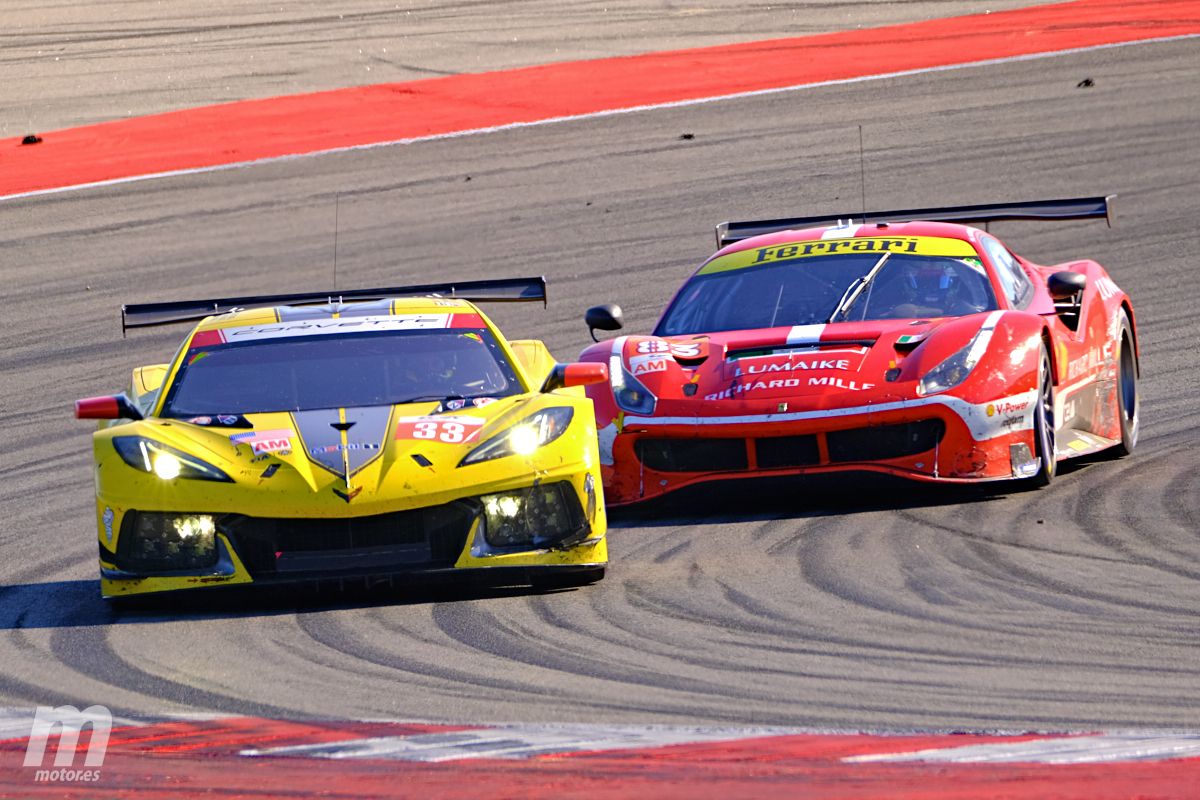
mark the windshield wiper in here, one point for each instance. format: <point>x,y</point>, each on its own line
<point>856,288</point>
<point>429,398</point>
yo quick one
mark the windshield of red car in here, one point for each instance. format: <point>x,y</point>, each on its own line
<point>805,291</point>
<point>307,372</point>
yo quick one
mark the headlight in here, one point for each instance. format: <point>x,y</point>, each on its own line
<point>955,369</point>
<point>628,391</point>
<point>540,516</point>
<point>164,461</point>
<point>153,541</point>
<point>525,437</point>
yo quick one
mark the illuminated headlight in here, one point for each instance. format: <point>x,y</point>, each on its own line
<point>525,437</point>
<point>167,466</point>
<point>153,541</point>
<point>164,461</point>
<point>955,369</point>
<point>631,395</point>
<point>536,517</point>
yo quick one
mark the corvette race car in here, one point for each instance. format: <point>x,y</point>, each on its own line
<point>357,434</point>
<point>902,342</point>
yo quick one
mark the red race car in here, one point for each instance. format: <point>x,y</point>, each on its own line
<point>902,342</point>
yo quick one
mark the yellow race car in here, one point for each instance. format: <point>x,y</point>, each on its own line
<point>357,434</point>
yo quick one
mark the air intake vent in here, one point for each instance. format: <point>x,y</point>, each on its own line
<point>883,442</point>
<point>692,455</point>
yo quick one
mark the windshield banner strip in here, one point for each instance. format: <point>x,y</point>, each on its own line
<point>787,251</point>
<point>342,325</point>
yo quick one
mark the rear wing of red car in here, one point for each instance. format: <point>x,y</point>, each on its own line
<point>507,290</point>
<point>1071,208</point>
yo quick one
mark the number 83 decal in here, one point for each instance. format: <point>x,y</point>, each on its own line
<point>680,349</point>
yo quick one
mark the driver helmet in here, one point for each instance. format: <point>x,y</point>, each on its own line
<point>432,367</point>
<point>930,283</point>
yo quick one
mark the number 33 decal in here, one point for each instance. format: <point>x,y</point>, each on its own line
<point>451,430</point>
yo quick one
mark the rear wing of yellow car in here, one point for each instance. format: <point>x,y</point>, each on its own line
<point>1070,208</point>
<point>506,290</point>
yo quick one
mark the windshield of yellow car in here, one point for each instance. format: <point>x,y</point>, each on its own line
<point>315,370</point>
<point>808,291</point>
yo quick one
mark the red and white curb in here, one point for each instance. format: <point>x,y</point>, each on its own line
<point>1085,749</point>
<point>167,756</point>
<point>517,742</point>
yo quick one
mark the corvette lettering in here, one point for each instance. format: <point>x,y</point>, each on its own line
<point>316,327</point>
<point>339,448</point>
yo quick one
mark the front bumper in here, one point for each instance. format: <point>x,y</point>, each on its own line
<point>941,439</point>
<point>431,540</point>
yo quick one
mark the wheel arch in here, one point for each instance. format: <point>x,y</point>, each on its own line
<point>1048,342</point>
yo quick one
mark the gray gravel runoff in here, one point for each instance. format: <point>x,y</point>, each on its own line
<point>787,604</point>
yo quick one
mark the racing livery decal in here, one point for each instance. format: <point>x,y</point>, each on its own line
<point>272,441</point>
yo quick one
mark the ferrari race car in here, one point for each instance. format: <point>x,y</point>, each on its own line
<point>902,342</point>
<point>357,434</point>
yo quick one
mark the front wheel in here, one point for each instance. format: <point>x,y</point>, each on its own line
<point>1043,425</point>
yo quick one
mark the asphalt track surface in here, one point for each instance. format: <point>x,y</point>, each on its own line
<point>69,63</point>
<point>803,604</point>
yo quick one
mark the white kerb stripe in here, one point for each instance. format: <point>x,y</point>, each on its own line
<point>515,742</point>
<point>1067,750</point>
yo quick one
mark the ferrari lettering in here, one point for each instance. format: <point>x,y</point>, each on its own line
<point>825,247</point>
<point>919,245</point>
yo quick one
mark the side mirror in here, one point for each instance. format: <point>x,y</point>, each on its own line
<point>113,407</point>
<point>607,317</point>
<point>583,373</point>
<point>1066,285</point>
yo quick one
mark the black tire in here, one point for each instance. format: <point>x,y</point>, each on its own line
<point>1128,401</point>
<point>1043,425</point>
<point>566,579</point>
